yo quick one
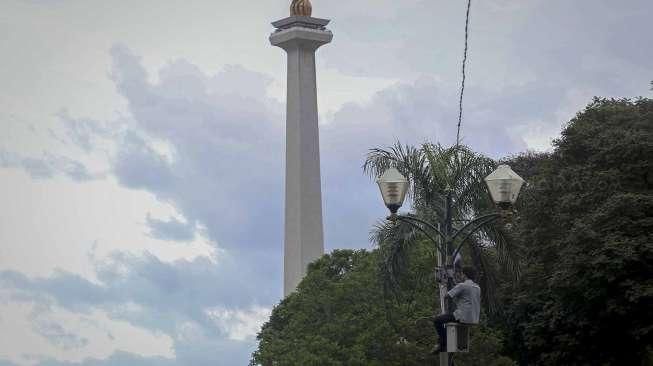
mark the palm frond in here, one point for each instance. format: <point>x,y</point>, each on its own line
<point>483,261</point>
<point>407,159</point>
<point>433,171</point>
<point>394,240</point>
<point>507,250</point>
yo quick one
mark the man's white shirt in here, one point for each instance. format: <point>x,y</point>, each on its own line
<point>467,296</point>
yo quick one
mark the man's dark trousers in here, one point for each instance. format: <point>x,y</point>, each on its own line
<point>439,323</point>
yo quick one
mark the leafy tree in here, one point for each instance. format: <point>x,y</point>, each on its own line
<point>586,226</point>
<point>340,316</point>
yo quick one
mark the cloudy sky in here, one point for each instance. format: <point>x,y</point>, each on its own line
<point>141,148</point>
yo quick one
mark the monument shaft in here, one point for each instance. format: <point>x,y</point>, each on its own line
<point>300,37</point>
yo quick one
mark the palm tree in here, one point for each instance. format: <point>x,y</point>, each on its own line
<point>436,172</point>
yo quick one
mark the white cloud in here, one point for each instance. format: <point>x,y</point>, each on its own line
<point>38,331</point>
<point>58,223</point>
<point>240,325</point>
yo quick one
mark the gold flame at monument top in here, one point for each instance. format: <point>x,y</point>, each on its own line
<point>301,8</point>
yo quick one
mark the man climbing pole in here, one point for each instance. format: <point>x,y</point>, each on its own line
<point>467,298</point>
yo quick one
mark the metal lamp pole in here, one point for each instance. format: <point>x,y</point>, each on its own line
<point>447,240</point>
<point>504,186</point>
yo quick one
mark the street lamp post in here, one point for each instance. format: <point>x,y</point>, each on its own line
<point>504,186</point>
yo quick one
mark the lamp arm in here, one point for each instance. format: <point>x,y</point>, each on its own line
<point>407,220</point>
<point>474,221</point>
<point>428,224</point>
<point>481,221</point>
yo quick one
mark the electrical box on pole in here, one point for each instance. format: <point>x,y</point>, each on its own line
<point>457,337</point>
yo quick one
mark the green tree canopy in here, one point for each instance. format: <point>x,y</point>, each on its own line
<point>339,316</point>
<point>586,226</point>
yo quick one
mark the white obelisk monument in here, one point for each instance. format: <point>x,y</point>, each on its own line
<point>300,35</point>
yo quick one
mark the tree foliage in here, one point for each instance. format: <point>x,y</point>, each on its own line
<point>340,316</point>
<point>586,226</point>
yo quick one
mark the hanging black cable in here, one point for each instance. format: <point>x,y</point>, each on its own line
<point>462,84</point>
